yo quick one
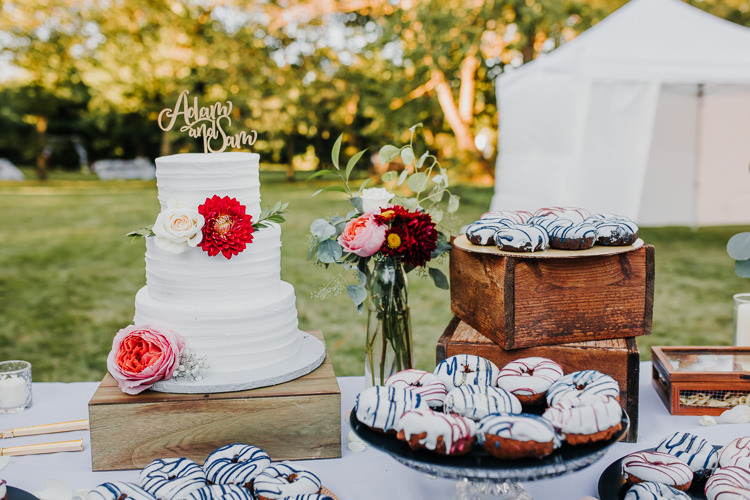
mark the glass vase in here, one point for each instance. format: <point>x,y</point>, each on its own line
<point>388,343</point>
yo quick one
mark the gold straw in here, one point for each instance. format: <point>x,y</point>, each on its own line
<point>75,425</point>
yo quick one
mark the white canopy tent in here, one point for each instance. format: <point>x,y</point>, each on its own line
<point>646,114</point>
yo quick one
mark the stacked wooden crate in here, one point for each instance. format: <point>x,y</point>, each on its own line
<point>581,309</point>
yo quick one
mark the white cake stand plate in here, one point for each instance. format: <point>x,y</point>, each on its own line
<point>310,355</point>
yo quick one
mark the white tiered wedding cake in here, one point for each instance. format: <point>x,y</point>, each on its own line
<point>232,310</point>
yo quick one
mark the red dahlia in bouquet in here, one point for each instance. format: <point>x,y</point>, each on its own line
<point>391,231</point>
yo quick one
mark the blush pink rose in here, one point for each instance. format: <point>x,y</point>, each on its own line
<point>362,236</point>
<point>142,355</point>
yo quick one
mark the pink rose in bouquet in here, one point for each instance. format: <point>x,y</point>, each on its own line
<point>141,356</point>
<point>363,236</point>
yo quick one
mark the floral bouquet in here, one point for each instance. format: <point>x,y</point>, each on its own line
<point>391,231</point>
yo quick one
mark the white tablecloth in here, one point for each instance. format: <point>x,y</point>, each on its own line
<point>369,474</point>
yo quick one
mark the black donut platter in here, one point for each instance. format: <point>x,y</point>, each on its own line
<point>480,465</point>
<point>612,484</point>
<point>16,494</point>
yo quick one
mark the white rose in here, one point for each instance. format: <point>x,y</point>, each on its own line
<point>178,228</point>
<point>375,198</point>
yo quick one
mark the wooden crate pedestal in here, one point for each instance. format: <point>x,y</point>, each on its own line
<point>618,358</point>
<point>524,300</point>
<point>300,419</point>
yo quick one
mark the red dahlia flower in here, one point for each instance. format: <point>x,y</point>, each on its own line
<point>228,228</point>
<point>412,235</point>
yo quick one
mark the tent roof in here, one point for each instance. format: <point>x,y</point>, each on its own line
<point>654,40</point>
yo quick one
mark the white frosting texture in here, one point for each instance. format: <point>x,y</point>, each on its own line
<point>478,401</point>
<point>455,430</point>
<point>736,453</point>
<point>584,415</point>
<point>523,427</point>
<point>654,491</point>
<point>428,386</point>
<point>657,467</point>
<point>529,376</point>
<point>729,483</point>
<point>694,450</point>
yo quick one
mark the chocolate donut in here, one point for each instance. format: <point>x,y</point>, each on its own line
<point>522,238</point>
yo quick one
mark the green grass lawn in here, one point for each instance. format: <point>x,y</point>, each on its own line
<point>68,275</point>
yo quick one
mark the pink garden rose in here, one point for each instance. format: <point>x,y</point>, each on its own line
<point>141,356</point>
<point>363,236</point>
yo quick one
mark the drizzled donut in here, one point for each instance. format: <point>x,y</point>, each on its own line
<point>657,467</point>
<point>118,490</point>
<point>431,389</point>
<point>380,407</point>
<point>168,478</point>
<point>693,450</point>
<point>588,420</point>
<point>529,378</point>
<point>736,453</point>
<point>220,492</point>
<point>443,433</point>
<point>235,464</point>
<point>613,230</point>
<point>462,369</point>
<point>515,216</point>
<point>570,213</point>
<point>654,491</point>
<point>522,238</point>
<point>283,480</point>
<point>729,483</point>
<point>517,436</point>
<point>567,235</point>
<point>478,401</point>
<point>582,384</point>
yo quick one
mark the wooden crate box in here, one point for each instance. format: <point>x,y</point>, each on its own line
<point>618,358</point>
<point>522,301</point>
<point>300,419</point>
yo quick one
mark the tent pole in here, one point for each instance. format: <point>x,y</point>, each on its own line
<point>697,153</point>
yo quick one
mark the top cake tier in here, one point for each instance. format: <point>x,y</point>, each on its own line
<point>189,178</point>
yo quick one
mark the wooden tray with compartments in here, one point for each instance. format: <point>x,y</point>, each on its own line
<point>701,380</point>
<point>618,358</point>
<point>556,297</point>
<point>300,419</point>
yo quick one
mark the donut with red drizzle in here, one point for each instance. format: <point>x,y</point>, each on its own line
<point>728,483</point>
<point>736,453</point>
<point>428,386</point>
<point>657,467</point>
<point>529,378</point>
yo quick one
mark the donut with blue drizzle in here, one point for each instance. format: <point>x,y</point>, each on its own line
<point>695,451</point>
<point>235,464</point>
<point>582,384</point>
<point>482,232</point>
<point>655,491</point>
<point>168,478</point>
<point>510,436</point>
<point>380,407</point>
<point>220,492</point>
<point>613,230</point>
<point>566,235</point>
<point>282,480</point>
<point>119,490</point>
<point>478,401</point>
<point>466,369</point>
<point>522,238</point>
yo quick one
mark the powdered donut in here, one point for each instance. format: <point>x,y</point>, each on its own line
<point>283,480</point>
<point>380,407</point>
<point>463,369</point>
<point>482,232</point>
<point>235,464</point>
<point>118,490</point>
<point>529,378</point>
<point>522,238</point>
<point>221,492</point>
<point>736,453</point>
<point>570,213</point>
<point>443,433</point>
<point>587,420</point>
<point>517,436</point>
<point>729,483</point>
<point>516,216</point>
<point>613,230</point>
<point>428,386</point>
<point>478,401</point>
<point>654,491</point>
<point>693,450</point>
<point>567,235</point>
<point>658,468</point>
<point>582,384</point>
<point>168,478</point>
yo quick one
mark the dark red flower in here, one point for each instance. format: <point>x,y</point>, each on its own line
<point>412,235</point>
<point>228,228</point>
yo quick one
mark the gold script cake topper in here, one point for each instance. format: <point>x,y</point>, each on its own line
<point>208,122</point>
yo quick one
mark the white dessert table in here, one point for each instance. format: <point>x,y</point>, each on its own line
<point>357,475</point>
